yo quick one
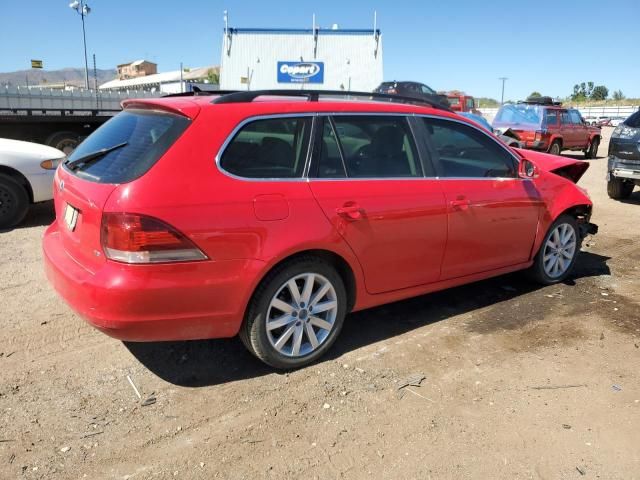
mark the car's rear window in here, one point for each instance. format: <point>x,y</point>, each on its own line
<point>147,133</point>
<point>521,114</point>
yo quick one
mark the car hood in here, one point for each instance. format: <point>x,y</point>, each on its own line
<point>17,148</point>
<point>565,167</point>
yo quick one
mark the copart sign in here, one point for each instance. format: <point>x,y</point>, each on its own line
<point>300,72</point>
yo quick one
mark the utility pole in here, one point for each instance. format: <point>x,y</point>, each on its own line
<point>504,79</point>
<point>181,80</point>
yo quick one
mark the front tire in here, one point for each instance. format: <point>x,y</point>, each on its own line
<point>558,252</point>
<point>618,189</point>
<point>295,314</point>
<point>592,149</point>
<point>14,202</point>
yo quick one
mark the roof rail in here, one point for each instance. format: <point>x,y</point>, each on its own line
<point>198,92</point>
<point>314,95</point>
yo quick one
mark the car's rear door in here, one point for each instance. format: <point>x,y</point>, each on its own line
<point>492,213</point>
<point>368,179</point>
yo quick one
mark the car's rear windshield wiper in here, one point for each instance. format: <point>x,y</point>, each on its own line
<point>92,157</point>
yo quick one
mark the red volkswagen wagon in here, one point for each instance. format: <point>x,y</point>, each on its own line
<point>273,214</point>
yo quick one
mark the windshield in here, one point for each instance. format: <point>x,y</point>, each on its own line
<point>519,115</point>
<point>141,138</point>
<point>633,121</point>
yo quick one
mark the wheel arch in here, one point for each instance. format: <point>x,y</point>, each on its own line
<point>19,177</point>
<point>344,268</point>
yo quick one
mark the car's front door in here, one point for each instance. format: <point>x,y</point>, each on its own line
<point>566,130</point>
<point>580,129</point>
<point>492,213</point>
<point>368,179</point>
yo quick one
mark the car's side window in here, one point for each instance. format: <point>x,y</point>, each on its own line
<point>552,118</point>
<point>377,146</point>
<point>565,119</point>
<point>268,148</point>
<point>460,150</point>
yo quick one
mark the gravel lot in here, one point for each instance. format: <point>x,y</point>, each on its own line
<point>521,382</point>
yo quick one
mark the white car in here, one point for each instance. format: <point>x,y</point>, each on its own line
<point>26,177</point>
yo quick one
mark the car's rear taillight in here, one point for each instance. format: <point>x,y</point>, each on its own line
<point>132,238</point>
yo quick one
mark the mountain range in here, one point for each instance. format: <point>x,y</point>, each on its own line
<point>68,76</point>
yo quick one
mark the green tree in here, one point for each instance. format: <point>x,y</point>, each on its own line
<point>535,94</point>
<point>599,93</point>
<point>578,94</point>
<point>213,76</point>
<point>618,95</point>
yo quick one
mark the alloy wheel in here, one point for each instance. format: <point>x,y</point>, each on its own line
<point>559,250</point>
<point>301,314</point>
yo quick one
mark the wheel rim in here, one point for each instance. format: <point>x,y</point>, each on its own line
<point>7,203</point>
<point>301,315</point>
<point>555,149</point>
<point>559,250</point>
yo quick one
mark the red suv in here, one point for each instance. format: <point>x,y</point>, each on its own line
<point>272,215</point>
<point>549,127</point>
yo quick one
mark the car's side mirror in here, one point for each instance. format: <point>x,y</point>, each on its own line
<point>527,169</point>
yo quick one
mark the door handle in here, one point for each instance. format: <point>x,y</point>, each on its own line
<point>460,204</point>
<point>350,211</point>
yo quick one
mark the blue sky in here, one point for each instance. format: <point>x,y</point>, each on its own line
<point>544,45</point>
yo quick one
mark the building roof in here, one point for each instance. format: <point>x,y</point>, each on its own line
<point>135,63</point>
<point>158,78</point>
<point>308,31</point>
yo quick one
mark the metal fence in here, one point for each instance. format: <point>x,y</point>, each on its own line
<point>38,99</point>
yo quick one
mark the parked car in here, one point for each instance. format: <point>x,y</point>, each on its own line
<point>617,120</point>
<point>26,177</point>
<point>507,137</point>
<point>413,89</point>
<point>291,213</point>
<point>549,127</point>
<point>623,171</point>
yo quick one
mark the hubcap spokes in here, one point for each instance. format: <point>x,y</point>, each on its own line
<point>301,314</point>
<point>559,250</point>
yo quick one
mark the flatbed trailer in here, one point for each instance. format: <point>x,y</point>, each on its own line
<point>60,119</point>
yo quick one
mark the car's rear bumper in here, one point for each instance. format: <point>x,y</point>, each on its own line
<point>184,301</point>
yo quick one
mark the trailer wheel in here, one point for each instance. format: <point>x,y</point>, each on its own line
<point>66,142</point>
<point>14,202</point>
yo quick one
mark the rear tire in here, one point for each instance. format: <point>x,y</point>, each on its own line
<point>592,149</point>
<point>270,332</point>
<point>66,142</point>
<point>618,189</point>
<point>558,252</point>
<point>555,148</point>
<point>14,202</point>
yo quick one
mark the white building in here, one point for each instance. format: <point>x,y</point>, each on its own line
<point>315,58</point>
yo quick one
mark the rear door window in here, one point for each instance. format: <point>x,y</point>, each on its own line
<point>465,152</point>
<point>551,118</point>
<point>565,119</point>
<point>269,148</point>
<point>145,135</point>
<point>373,147</point>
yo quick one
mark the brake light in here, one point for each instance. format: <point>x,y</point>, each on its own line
<point>132,238</point>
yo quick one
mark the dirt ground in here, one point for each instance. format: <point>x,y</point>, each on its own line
<point>522,382</point>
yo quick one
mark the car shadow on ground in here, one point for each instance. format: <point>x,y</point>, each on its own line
<point>212,362</point>
<point>634,199</point>
<point>39,215</point>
